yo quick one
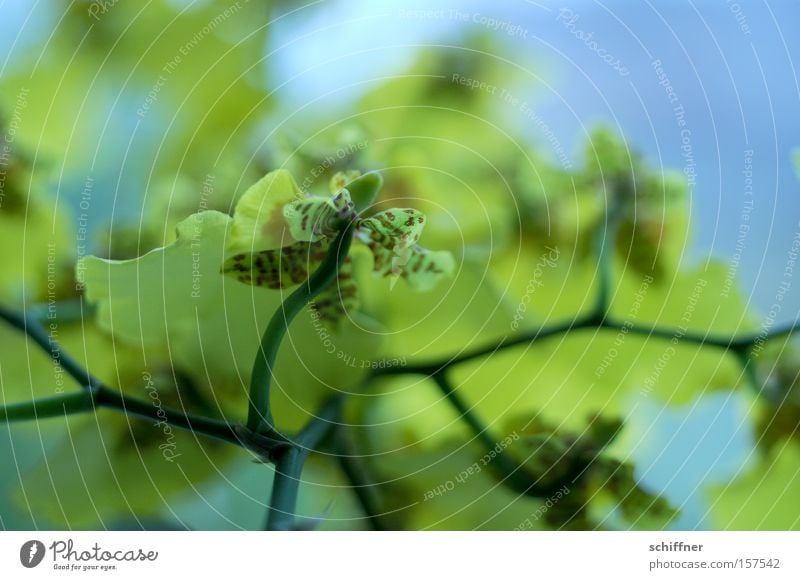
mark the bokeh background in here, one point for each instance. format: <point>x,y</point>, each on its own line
<point>119,112</point>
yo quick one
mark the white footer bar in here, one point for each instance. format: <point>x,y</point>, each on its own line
<point>370,555</point>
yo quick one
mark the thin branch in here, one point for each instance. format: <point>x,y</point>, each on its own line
<point>96,394</point>
<point>63,311</point>
<point>441,365</point>
<point>736,344</point>
<point>213,428</point>
<point>603,246</point>
<point>354,472</point>
<point>598,319</point>
<point>58,406</point>
<point>42,338</point>
<point>750,373</point>
<point>464,410</point>
<point>513,474</point>
<point>259,415</point>
<point>318,427</point>
<point>96,397</point>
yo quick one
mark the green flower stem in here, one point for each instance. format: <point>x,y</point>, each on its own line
<point>289,465</point>
<point>112,399</point>
<point>736,344</point>
<point>604,247</point>
<point>441,365</point>
<point>259,415</point>
<point>42,338</point>
<point>513,474</point>
<point>285,488</point>
<point>464,410</point>
<point>59,406</point>
<point>95,394</point>
<point>96,397</point>
<point>318,428</point>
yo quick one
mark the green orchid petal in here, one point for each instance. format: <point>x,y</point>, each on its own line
<point>425,268</point>
<point>392,236</point>
<point>393,229</point>
<point>340,179</point>
<point>277,269</point>
<point>339,299</point>
<point>363,188</point>
<point>761,496</point>
<point>258,221</point>
<point>289,266</point>
<point>147,299</point>
<point>314,218</point>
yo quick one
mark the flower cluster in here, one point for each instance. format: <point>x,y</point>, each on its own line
<point>281,235</point>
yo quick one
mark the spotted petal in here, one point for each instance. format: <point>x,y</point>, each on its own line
<point>424,268</point>
<point>279,268</point>
<point>392,237</point>
<point>394,229</point>
<point>314,218</point>
<point>291,265</point>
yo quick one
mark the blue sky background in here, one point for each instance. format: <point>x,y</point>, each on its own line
<point>739,90</point>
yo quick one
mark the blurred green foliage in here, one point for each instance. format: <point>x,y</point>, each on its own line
<point>494,199</point>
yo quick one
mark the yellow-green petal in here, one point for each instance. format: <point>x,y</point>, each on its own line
<point>258,221</point>
<point>363,188</point>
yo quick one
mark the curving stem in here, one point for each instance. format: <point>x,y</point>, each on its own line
<point>259,416</point>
